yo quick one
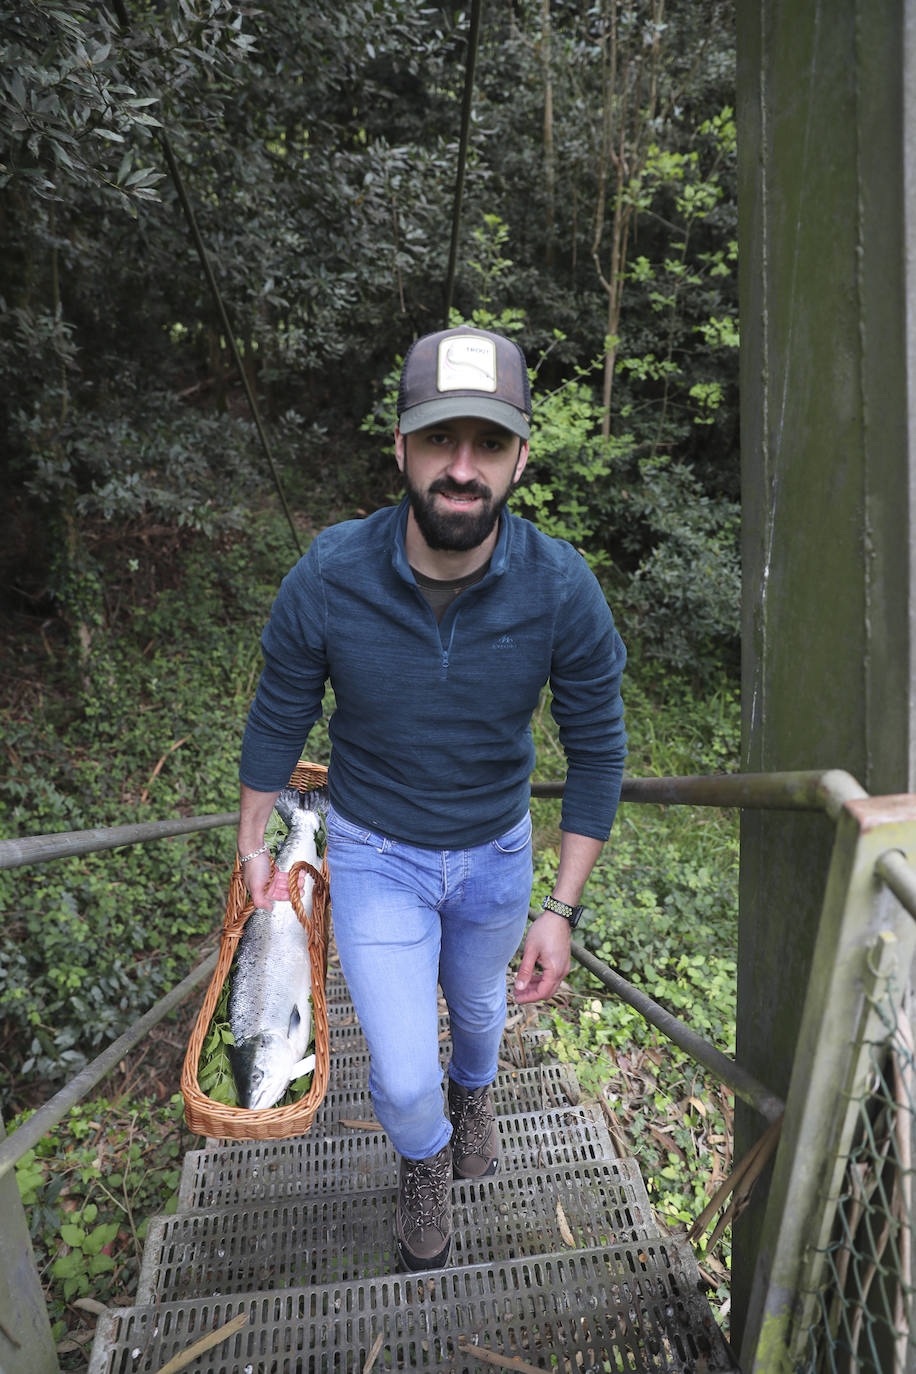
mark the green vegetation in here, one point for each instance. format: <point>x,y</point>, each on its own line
<point>90,1191</point>
<point>145,544</point>
<point>318,152</point>
<point>661,909</point>
<point>214,1071</point>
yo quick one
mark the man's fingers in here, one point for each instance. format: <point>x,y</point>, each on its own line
<point>257,880</point>
<point>526,968</point>
<point>539,989</point>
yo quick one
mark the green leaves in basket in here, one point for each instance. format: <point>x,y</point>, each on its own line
<point>214,1069</point>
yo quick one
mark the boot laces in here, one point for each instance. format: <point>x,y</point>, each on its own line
<point>475,1122</point>
<point>426,1186</point>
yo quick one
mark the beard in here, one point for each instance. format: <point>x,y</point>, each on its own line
<point>449,530</point>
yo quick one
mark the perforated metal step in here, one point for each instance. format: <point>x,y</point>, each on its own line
<point>549,1085</point>
<point>517,1050</point>
<point>634,1307</point>
<point>312,1240</point>
<point>315,1164</point>
<point>300,1231</point>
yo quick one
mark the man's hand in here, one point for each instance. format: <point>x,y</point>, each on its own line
<point>257,878</point>
<point>549,938</point>
<point>546,945</point>
<point>255,810</point>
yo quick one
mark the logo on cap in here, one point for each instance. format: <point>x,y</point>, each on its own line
<point>466,363</point>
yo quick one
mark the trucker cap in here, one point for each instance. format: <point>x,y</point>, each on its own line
<point>464,371</point>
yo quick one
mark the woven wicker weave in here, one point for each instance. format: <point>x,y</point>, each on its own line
<point>214,1119</point>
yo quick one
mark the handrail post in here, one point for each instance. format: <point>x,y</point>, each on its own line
<point>860,916</point>
<point>26,1342</point>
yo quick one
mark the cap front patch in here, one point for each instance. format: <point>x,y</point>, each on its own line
<point>467,363</point>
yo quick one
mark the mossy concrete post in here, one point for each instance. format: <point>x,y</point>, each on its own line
<point>26,1343</point>
<point>827,205</point>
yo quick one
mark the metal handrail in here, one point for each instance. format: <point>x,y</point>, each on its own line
<point>895,870</point>
<point>827,790</point>
<point>811,790</point>
<point>39,849</point>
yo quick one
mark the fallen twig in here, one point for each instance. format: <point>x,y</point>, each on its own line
<point>155,773</point>
<point>205,1343</point>
<point>5,1331</point>
<point>480,1352</point>
<point>617,1133</point>
<point>740,1182</point>
<point>98,1309</point>
<point>374,1352</point>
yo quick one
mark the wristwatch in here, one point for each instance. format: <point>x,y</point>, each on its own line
<point>573,914</point>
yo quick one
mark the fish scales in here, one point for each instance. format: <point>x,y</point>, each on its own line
<point>269,1001</point>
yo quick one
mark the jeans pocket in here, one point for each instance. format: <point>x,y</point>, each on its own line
<point>341,831</point>
<point>516,839</point>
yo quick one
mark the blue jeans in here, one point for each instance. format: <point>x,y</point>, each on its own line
<point>406,919</point>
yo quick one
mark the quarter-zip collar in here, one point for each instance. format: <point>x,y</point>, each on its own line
<point>498,560</point>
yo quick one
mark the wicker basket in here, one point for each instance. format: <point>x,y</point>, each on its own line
<point>214,1119</point>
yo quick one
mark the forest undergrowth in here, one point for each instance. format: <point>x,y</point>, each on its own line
<point>144,721</point>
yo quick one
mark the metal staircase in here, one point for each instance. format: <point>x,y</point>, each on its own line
<point>556,1262</point>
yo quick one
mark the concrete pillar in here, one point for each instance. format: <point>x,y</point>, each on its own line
<point>26,1343</point>
<point>827,149</point>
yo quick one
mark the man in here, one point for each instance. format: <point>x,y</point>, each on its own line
<point>438,623</point>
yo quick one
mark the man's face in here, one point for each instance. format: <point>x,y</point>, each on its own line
<point>459,475</point>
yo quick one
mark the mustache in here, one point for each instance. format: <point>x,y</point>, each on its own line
<point>449,488</point>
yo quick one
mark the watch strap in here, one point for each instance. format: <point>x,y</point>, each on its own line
<point>573,914</point>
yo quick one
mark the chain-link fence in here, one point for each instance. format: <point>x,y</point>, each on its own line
<point>864,1306</point>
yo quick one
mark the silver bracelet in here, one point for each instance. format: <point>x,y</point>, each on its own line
<point>253,855</point>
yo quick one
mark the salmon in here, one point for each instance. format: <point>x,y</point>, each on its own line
<point>270,998</point>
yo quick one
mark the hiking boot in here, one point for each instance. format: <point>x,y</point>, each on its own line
<point>423,1225</point>
<point>475,1148</point>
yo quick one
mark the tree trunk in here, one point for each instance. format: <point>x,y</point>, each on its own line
<point>627,126</point>
<point>549,165</point>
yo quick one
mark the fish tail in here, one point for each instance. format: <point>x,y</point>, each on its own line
<point>292,803</point>
<point>318,799</point>
<point>288,803</point>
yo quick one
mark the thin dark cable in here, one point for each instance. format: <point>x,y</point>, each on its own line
<point>227,328</point>
<point>473,41</point>
<point>202,254</point>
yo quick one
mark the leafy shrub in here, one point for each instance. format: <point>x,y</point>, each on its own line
<point>157,461</point>
<point>685,595</point>
<point>661,909</point>
<point>91,1188</point>
<point>151,728</point>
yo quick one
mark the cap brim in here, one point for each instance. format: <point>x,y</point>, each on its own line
<point>459,407</point>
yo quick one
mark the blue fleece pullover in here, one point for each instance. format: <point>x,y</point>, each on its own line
<point>431,739</point>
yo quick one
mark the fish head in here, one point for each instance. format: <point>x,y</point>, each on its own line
<point>262,1067</point>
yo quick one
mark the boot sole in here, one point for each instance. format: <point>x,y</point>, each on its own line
<point>415,1264</point>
